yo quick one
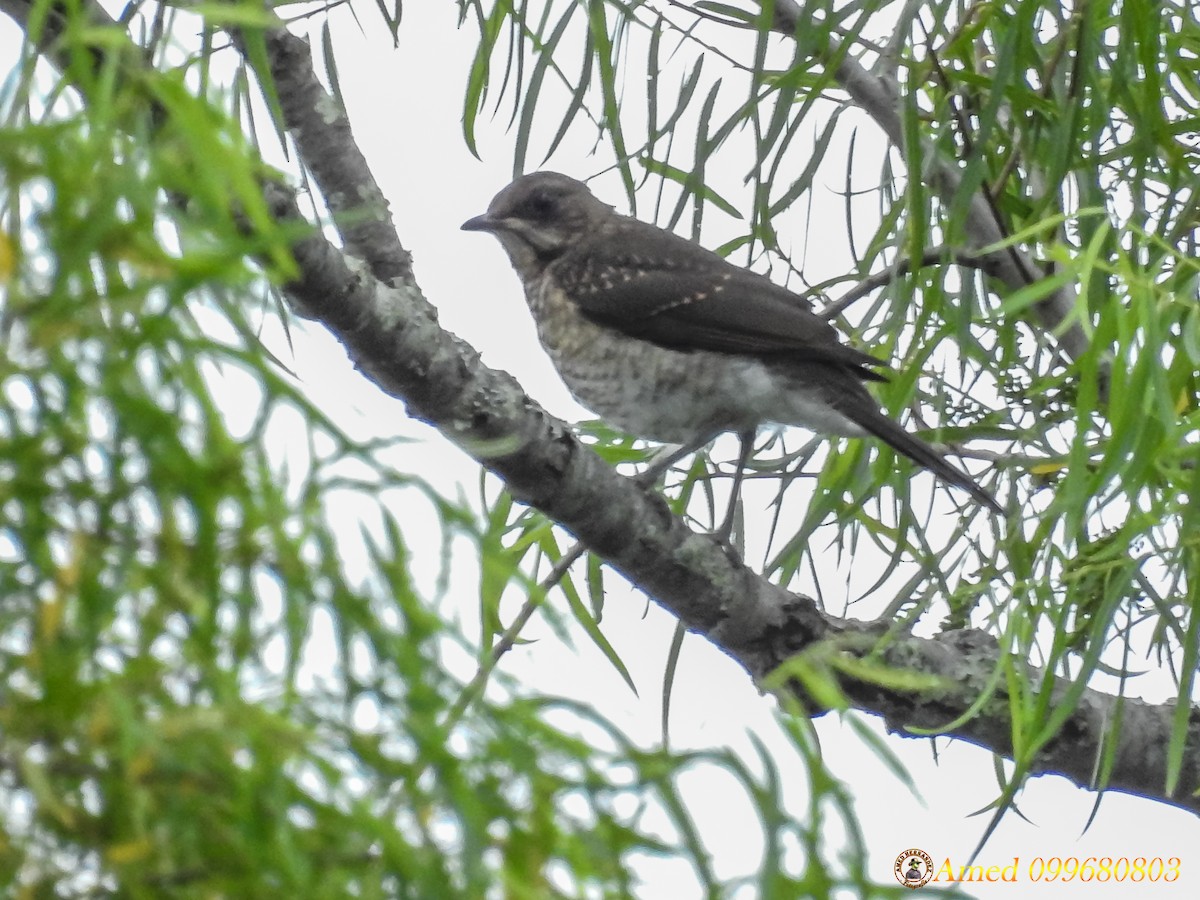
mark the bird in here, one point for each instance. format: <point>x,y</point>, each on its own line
<point>670,342</point>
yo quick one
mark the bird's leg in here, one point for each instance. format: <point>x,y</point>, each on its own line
<point>666,458</point>
<point>746,441</point>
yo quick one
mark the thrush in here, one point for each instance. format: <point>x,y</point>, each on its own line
<point>671,342</point>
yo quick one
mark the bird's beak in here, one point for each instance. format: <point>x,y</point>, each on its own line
<point>481,223</point>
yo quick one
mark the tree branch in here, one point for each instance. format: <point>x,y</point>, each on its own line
<point>390,331</point>
<point>878,95</point>
<point>337,165</point>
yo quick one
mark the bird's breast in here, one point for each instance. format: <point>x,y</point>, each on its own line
<point>656,392</point>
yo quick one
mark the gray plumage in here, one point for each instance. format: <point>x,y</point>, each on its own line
<point>670,342</point>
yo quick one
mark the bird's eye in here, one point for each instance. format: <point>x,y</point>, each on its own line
<point>542,205</point>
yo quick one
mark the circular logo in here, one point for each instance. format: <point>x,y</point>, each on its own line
<point>913,868</point>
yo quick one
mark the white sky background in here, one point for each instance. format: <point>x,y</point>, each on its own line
<point>405,106</point>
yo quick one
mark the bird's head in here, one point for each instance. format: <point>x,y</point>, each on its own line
<point>539,217</point>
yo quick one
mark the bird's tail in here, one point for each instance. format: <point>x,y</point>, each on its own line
<point>863,412</point>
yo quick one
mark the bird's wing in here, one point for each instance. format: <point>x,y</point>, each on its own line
<point>656,286</point>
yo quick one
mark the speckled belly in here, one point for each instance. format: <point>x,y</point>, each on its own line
<point>668,395</point>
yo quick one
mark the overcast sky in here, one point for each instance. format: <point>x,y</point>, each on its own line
<point>405,107</point>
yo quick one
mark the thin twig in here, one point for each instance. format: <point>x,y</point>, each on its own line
<point>900,268</point>
<point>888,64</point>
<point>472,691</point>
<point>659,464</point>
